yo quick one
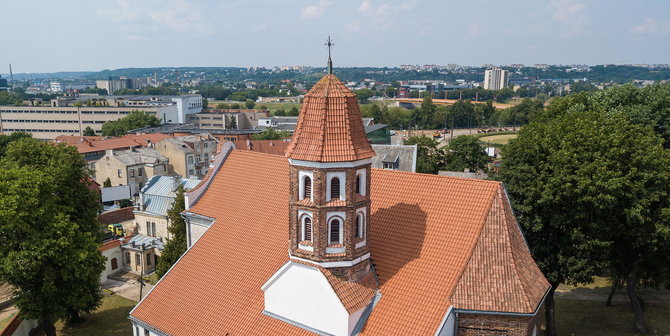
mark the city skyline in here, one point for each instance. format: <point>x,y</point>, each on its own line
<point>87,36</point>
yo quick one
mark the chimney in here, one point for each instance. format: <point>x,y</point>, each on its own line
<point>249,145</point>
<point>150,144</point>
<point>109,152</point>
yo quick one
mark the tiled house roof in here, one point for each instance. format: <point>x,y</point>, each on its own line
<point>329,128</point>
<point>425,232</point>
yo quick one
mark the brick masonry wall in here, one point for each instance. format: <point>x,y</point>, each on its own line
<point>494,325</point>
<point>320,209</point>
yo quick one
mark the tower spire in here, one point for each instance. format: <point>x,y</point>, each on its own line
<point>329,43</point>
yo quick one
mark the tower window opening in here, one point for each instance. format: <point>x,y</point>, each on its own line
<point>307,228</point>
<point>308,187</point>
<point>335,188</point>
<point>360,223</point>
<point>335,230</point>
<point>358,185</point>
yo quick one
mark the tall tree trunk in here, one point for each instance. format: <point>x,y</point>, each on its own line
<point>49,328</point>
<point>549,312</point>
<point>615,284</point>
<point>631,281</point>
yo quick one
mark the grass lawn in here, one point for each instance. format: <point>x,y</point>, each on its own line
<point>5,321</point>
<point>272,107</point>
<point>110,319</point>
<point>582,317</point>
<point>501,139</point>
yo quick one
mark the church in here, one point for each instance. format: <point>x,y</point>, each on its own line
<point>317,242</point>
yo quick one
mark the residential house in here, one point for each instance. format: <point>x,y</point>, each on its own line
<point>189,155</point>
<point>132,167</point>
<point>370,251</point>
<point>395,157</point>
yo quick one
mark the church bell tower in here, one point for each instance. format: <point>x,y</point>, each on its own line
<point>330,158</point>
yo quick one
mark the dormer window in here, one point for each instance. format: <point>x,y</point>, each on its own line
<point>335,231</point>
<point>335,188</point>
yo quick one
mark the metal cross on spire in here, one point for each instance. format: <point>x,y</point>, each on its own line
<point>329,43</point>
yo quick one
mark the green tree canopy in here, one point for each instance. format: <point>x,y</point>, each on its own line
<point>51,260</point>
<point>591,189</point>
<point>176,246</point>
<point>466,152</point>
<point>271,134</point>
<point>5,140</point>
<point>89,131</point>
<point>134,120</point>
<point>430,158</point>
<point>249,104</point>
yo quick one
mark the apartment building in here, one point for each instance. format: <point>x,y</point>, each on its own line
<point>71,115</point>
<point>189,155</point>
<point>131,167</point>
<point>495,79</point>
<point>227,118</point>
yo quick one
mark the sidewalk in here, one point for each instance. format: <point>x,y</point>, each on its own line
<point>129,289</point>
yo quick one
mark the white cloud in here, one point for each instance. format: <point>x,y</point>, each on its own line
<point>571,16</point>
<point>315,11</point>
<point>652,26</point>
<point>383,17</point>
<point>475,29</point>
<point>137,19</point>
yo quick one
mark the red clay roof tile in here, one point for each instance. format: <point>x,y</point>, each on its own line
<point>330,128</point>
<point>423,230</point>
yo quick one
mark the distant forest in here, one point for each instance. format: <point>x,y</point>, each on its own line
<point>598,73</point>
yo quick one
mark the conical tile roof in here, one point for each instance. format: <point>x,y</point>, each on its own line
<point>330,127</point>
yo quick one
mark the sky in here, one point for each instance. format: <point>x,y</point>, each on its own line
<point>92,35</point>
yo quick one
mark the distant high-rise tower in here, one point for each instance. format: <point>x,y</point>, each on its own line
<point>495,79</point>
<point>11,75</point>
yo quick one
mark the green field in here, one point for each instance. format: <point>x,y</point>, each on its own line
<point>500,139</point>
<point>110,319</point>
<point>583,317</point>
<point>278,106</point>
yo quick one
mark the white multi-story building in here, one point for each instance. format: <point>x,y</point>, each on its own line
<point>68,116</point>
<point>495,79</point>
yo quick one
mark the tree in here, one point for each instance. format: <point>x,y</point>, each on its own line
<point>89,131</point>
<point>5,140</point>
<point>466,152</point>
<point>422,116</point>
<point>591,190</point>
<point>176,246</point>
<point>136,119</point>
<point>233,122</point>
<point>107,183</point>
<point>363,95</point>
<point>69,172</point>
<point>271,134</point>
<point>249,104</point>
<point>380,115</point>
<point>52,262</point>
<point>430,158</point>
<point>293,111</point>
<point>205,103</point>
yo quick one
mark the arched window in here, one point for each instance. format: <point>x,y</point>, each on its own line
<point>360,224</point>
<point>307,185</point>
<point>335,188</point>
<point>335,230</point>
<point>358,184</point>
<point>306,228</point>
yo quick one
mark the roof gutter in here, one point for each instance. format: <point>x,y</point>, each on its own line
<point>488,312</point>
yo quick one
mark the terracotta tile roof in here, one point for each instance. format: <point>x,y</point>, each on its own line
<point>88,144</point>
<point>277,147</point>
<point>110,244</point>
<point>330,127</point>
<point>116,216</point>
<point>501,257</point>
<point>144,139</point>
<point>423,229</point>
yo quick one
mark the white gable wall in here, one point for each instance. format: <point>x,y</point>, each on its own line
<point>303,294</point>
